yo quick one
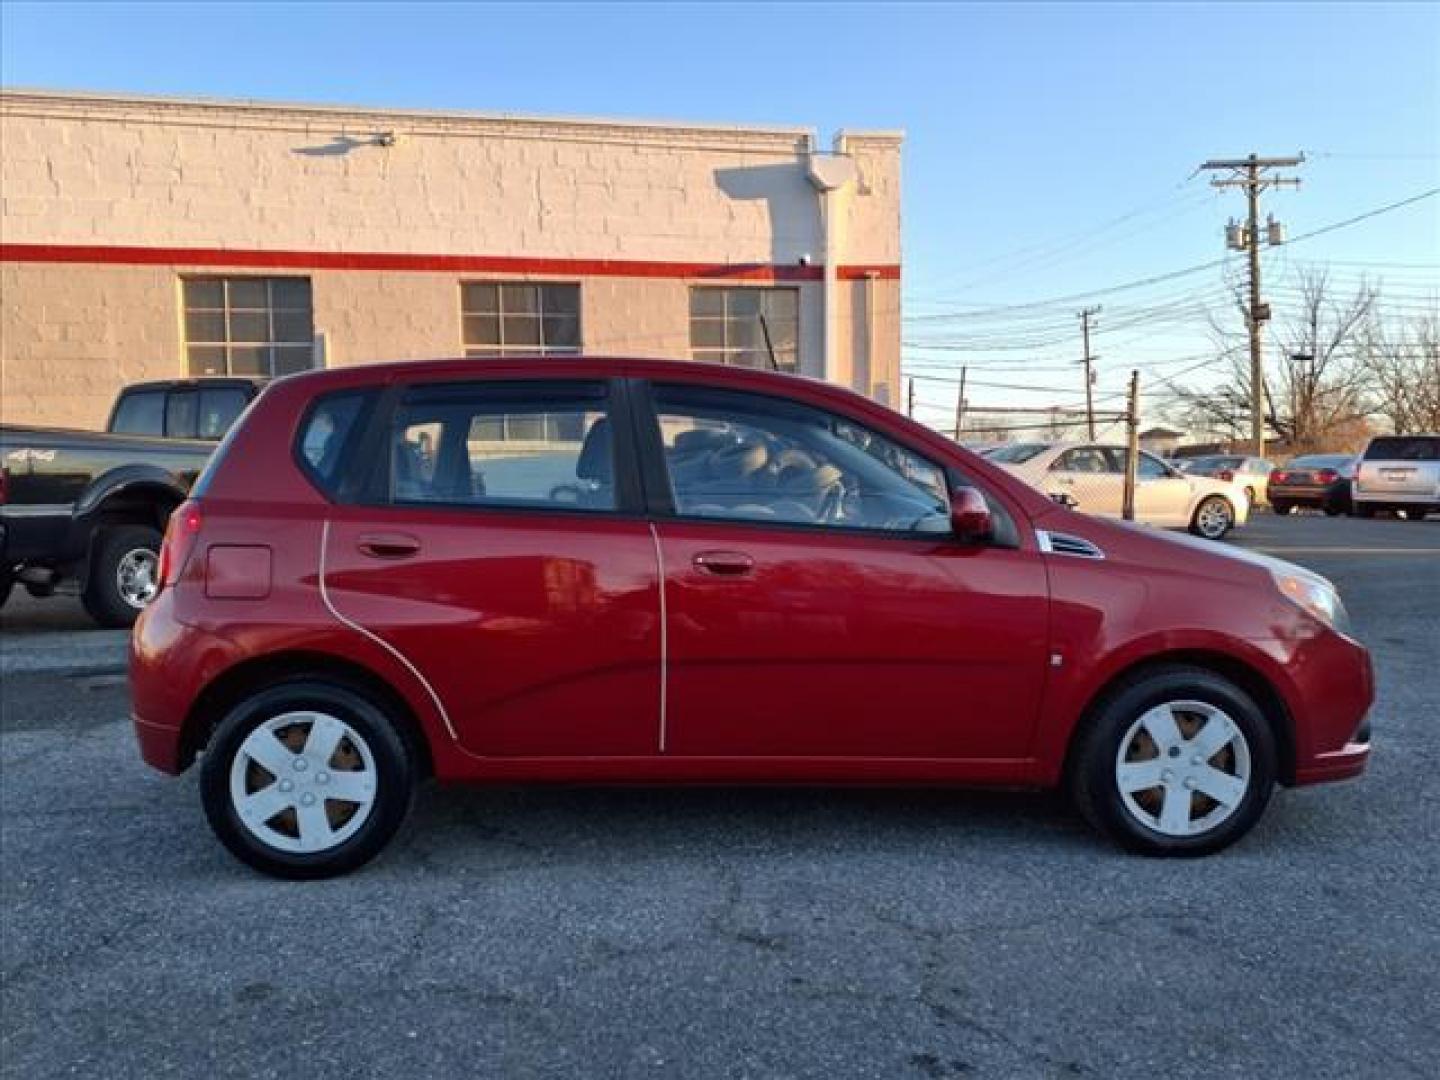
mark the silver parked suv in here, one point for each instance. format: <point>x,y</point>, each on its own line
<point>1399,473</point>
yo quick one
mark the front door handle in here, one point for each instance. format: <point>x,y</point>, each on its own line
<point>724,563</point>
<point>388,545</point>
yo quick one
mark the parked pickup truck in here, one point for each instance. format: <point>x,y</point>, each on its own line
<point>91,506</point>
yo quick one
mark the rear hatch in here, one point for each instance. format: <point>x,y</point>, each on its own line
<point>1401,465</point>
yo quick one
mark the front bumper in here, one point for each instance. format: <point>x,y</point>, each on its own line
<point>1343,764</point>
<point>1336,744</point>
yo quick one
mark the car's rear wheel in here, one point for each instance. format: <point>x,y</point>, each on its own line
<point>1281,508</point>
<point>1179,761</point>
<point>1417,514</point>
<point>1214,517</point>
<point>122,577</point>
<point>306,779</point>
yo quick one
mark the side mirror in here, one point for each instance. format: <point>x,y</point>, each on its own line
<point>969,515</point>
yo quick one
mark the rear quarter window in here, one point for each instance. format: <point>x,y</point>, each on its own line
<point>139,412</point>
<point>329,437</point>
<point>1404,448</point>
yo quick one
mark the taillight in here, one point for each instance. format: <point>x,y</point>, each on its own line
<point>1280,478</point>
<point>1328,476</point>
<point>180,536</point>
<point>1227,475</point>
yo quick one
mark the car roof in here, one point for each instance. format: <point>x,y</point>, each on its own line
<point>197,380</point>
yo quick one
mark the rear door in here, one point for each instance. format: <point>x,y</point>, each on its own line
<point>1162,496</point>
<point>497,544</point>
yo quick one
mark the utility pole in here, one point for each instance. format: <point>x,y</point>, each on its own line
<point>1132,448</point>
<point>960,404</point>
<point>1085,317</point>
<point>1254,174</point>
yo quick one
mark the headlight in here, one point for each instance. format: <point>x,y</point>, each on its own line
<point>1315,595</point>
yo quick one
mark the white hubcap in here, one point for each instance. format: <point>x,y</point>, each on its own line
<point>1183,768</point>
<point>1214,518</point>
<point>135,577</point>
<point>303,782</point>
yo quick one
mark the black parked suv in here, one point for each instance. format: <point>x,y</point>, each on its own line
<point>91,506</point>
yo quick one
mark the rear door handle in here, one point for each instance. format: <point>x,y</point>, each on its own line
<point>724,563</point>
<point>388,545</point>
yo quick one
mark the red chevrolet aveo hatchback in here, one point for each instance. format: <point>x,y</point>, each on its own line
<point>594,571</point>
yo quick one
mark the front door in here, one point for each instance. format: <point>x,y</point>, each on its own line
<point>495,553</point>
<point>817,605</point>
<point>1093,476</point>
<point>1162,496</point>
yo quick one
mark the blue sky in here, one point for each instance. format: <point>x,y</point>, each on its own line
<point>1050,148</point>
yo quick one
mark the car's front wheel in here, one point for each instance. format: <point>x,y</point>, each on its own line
<point>1214,517</point>
<point>1178,761</point>
<point>306,779</point>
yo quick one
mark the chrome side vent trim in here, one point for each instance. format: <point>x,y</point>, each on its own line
<point>1053,543</point>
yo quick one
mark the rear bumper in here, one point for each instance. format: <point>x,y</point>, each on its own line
<point>170,663</point>
<point>1396,498</point>
<point>159,745</point>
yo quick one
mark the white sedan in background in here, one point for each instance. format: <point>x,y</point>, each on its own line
<point>1091,477</point>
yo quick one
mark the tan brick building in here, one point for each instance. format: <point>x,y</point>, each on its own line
<point>148,238</point>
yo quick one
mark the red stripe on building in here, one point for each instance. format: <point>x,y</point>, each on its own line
<point>451,264</point>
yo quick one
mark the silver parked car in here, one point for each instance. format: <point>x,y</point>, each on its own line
<point>1399,473</point>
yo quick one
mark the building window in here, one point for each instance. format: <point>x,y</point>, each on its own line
<point>248,325</point>
<point>746,327</point>
<point>506,317</point>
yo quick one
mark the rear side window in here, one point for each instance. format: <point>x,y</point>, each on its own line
<point>519,445</point>
<point>330,434</point>
<point>140,412</point>
<point>219,408</point>
<point>1404,448</point>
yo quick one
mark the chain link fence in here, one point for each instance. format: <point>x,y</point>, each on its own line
<point>1086,460</point>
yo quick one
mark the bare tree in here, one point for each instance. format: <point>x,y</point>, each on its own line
<point>1404,371</point>
<point>1318,390</point>
<point>1315,388</point>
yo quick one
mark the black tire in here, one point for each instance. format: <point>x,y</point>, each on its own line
<point>1092,769</point>
<point>7,582</point>
<point>102,596</point>
<point>1333,509</point>
<point>1364,510</point>
<point>394,768</point>
<point>1281,508</point>
<point>1213,504</point>
<point>1417,514</point>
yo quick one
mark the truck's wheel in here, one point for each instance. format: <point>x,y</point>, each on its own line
<point>122,575</point>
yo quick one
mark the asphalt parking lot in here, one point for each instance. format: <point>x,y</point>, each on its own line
<point>727,933</point>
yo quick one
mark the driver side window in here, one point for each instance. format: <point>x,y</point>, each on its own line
<point>745,457</point>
